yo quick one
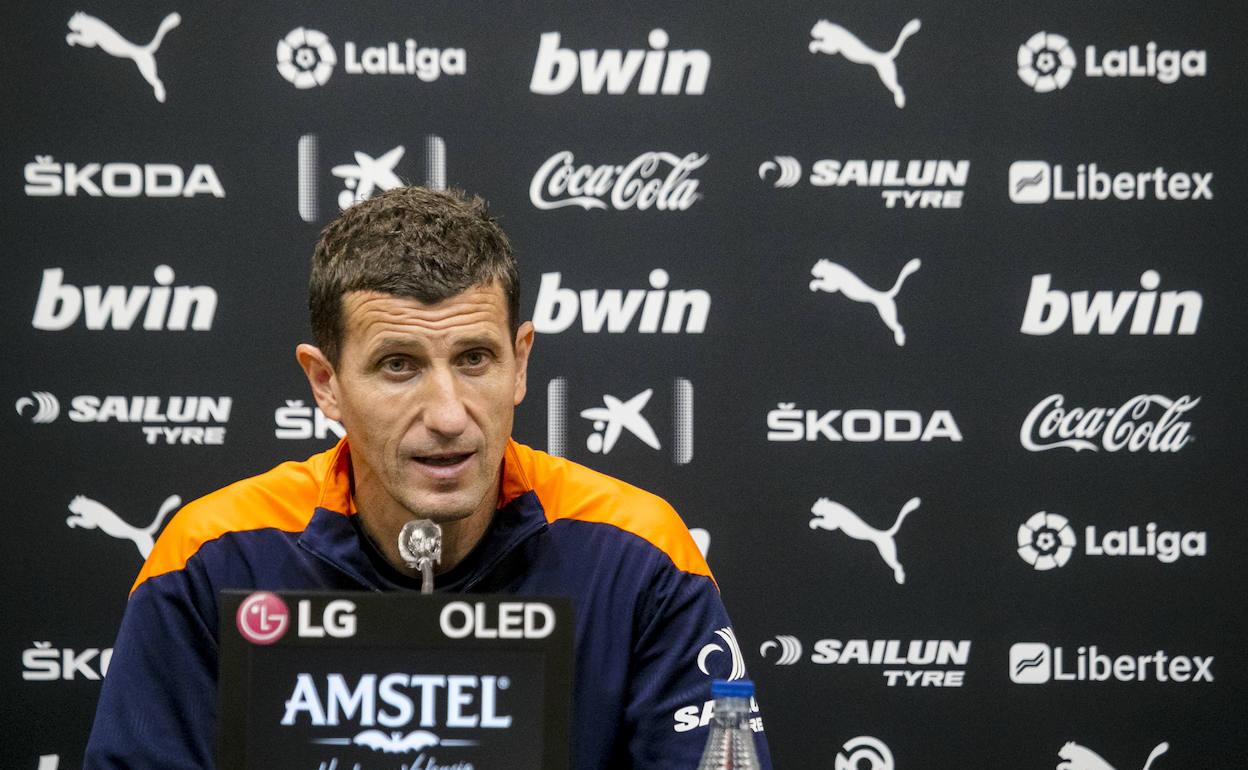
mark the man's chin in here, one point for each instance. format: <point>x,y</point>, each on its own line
<point>443,509</point>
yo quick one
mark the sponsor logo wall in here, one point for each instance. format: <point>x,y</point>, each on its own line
<point>932,317</point>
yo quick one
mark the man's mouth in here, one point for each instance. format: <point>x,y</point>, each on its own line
<point>442,460</point>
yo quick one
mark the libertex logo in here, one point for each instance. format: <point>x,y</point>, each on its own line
<point>1038,663</point>
<point>1036,182</point>
<point>647,72</point>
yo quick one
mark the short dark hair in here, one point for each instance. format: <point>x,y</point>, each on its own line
<point>413,242</point>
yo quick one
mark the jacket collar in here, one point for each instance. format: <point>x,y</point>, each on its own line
<point>335,536</point>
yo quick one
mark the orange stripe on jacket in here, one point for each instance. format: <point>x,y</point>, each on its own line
<point>568,490</point>
<point>283,498</point>
<point>286,497</point>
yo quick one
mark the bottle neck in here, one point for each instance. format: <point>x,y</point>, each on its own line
<point>731,712</point>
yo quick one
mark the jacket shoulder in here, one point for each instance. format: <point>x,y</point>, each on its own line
<point>570,491</point>
<point>284,497</point>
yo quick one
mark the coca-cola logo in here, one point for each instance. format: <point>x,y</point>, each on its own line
<point>1126,428</point>
<point>651,180</point>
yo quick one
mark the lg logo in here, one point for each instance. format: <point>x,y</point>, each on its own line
<point>263,618</point>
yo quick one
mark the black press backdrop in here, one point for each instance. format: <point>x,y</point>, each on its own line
<point>776,380</point>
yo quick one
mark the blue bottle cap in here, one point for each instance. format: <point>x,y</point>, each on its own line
<point>722,688</point>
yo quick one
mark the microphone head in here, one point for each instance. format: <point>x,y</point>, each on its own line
<point>420,543</point>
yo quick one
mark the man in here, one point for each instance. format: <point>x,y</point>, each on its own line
<point>414,301</point>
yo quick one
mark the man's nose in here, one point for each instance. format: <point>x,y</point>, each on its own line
<point>444,407</point>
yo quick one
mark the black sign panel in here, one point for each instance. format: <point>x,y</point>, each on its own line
<point>346,681</point>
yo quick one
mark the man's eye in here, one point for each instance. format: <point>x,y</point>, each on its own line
<point>475,358</point>
<point>396,365</point>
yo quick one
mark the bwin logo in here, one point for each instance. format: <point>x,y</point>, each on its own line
<point>89,514</point>
<point>557,308</point>
<point>47,408</point>
<point>364,178</point>
<point>789,646</point>
<point>790,171</point>
<point>833,39</point>
<point>1076,757</point>
<point>677,71</point>
<point>169,308</point>
<point>833,278</point>
<point>616,416</point>
<point>867,749</point>
<point>88,31</point>
<point>833,516</point>
<point>734,650</point>
<point>1104,312</point>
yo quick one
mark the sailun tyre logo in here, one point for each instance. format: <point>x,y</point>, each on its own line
<point>1046,541</point>
<point>867,749</point>
<point>305,58</point>
<point>1046,62</point>
<point>734,650</point>
<point>263,618</point>
<point>789,167</point>
<point>789,646</point>
<point>47,408</point>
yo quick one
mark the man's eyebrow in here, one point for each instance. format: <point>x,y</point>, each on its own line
<point>394,344</point>
<point>479,341</point>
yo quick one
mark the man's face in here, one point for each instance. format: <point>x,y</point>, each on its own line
<point>427,395</point>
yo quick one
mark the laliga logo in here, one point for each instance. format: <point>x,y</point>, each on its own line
<point>1045,62</point>
<point>263,618</point>
<point>305,58</point>
<point>1046,541</point>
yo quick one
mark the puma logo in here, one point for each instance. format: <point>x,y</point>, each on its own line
<point>831,277</point>
<point>1082,758</point>
<point>88,31</point>
<point>831,515</point>
<point>90,514</point>
<point>833,39</point>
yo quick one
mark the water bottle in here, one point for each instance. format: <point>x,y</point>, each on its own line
<point>730,745</point>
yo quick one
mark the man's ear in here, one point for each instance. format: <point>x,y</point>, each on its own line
<point>524,345</point>
<point>321,377</point>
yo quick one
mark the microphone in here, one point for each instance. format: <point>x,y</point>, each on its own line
<point>420,547</point>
